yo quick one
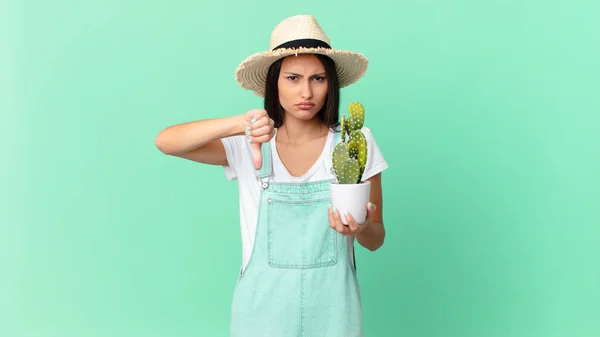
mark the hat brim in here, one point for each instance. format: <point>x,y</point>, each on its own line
<point>251,74</point>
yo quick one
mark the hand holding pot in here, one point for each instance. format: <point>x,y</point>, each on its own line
<point>335,221</point>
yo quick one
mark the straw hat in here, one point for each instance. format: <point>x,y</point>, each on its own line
<point>295,35</point>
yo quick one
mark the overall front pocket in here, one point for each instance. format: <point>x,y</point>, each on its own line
<point>299,235</point>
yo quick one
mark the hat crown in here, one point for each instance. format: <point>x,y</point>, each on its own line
<point>296,28</point>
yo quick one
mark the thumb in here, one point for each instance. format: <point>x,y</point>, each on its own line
<point>257,155</point>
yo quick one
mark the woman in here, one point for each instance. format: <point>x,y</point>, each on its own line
<point>298,274</point>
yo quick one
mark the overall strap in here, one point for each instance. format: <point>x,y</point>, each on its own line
<point>266,169</point>
<point>337,137</point>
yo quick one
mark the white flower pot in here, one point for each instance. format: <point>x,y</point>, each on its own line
<point>351,198</point>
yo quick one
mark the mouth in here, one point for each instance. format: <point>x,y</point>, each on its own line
<point>305,105</point>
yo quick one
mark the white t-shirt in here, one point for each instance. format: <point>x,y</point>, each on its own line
<point>241,168</point>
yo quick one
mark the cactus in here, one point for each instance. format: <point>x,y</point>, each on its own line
<point>357,116</point>
<point>343,131</point>
<point>350,155</point>
<point>358,148</point>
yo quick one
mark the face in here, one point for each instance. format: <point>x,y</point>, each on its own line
<point>302,86</point>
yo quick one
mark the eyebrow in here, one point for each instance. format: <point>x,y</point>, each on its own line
<point>290,73</point>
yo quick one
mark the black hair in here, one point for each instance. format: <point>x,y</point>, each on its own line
<point>329,113</point>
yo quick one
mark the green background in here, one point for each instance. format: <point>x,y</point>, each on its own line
<point>486,111</point>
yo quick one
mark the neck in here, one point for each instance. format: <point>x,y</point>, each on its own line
<point>295,131</point>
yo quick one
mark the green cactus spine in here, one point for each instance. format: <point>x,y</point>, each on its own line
<point>350,155</point>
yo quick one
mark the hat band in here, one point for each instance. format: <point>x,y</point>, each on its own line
<point>303,43</point>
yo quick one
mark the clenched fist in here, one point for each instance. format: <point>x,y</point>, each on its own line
<point>259,128</point>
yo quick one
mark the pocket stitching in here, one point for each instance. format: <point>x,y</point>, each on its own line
<point>332,259</point>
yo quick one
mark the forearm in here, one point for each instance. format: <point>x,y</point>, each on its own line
<point>189,136</point>
<point>372,236</point>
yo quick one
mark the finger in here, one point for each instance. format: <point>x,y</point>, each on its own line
<point>370,209</point>
<point>250,114</point>
<point>247,129</point>
<point>332,219</point>
<point>339,226</point>
<point>330,215</point>
<point>261,121</point>
<point>261,131</point>
<point>257,155</point>
<point>351,223</point>
<point>255,115</point>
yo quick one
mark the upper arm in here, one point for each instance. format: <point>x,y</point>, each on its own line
<point>376,198</point>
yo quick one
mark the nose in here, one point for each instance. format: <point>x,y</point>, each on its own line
<point>306,90</point>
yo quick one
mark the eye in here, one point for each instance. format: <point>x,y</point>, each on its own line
<point>319,78</point>
<point>292,78</point>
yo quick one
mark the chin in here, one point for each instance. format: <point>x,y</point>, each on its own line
<point>305,114</point>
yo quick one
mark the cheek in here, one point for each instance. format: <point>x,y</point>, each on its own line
<point>283,95</point>
<point>286,94</point>
<point>322,92</point>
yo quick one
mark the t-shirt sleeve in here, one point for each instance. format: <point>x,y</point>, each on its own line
<point>376,163</point>
<point>238,154</point>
